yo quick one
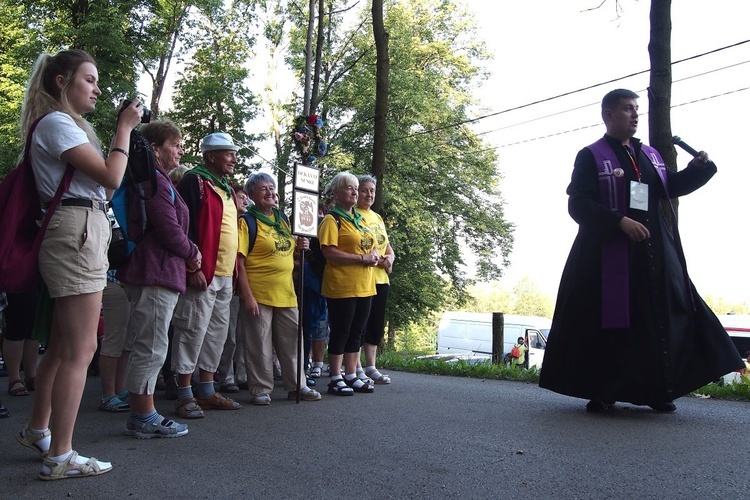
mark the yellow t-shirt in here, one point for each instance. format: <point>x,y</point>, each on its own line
<point>227,256</point>
<point>270,264</point>
<point>342,281</point>
<point>375,223</point>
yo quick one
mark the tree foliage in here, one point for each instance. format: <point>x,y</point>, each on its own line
<point>19,49</point>
<point>212,94</point>
<point>31,27</point>
<point>440,186</point>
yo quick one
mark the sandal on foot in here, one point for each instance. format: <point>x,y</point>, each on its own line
<point>316,372</point>
<point>113,405</point>
<point>218,402</point>
<point>339,388</point>
<point>188,408</point>
<point>358,385</point>
<point>70,468</point>
<point>311,395</point>
<point>379,378</point>
<point>17,388</point>
<point>31,440</point>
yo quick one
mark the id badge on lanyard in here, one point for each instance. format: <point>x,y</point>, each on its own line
<point>638,190</point>
<point>638,195</point>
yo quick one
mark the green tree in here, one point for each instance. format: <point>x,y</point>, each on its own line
<point>528,300</point>
<point>20,47</point>
<point>489,297</point>
<point>212,94</point>
<point>440,189</point>
<point>162,32</point>
<point>100,28</point>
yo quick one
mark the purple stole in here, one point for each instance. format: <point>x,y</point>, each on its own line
<point>613,194</point>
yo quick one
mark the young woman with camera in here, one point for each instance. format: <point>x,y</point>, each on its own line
<point>72,259</point>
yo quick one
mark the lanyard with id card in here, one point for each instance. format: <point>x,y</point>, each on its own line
<point>638,190</point>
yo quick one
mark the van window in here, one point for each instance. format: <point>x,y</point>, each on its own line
<point>535,339</point>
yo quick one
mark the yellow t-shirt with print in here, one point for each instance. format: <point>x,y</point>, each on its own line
<point>375,222</point>
<point>227,256</point>
<point>270,264</point>
<point>342,281</point>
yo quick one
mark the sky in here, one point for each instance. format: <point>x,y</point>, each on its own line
<point>544,48</point>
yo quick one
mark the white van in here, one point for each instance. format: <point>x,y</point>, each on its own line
<point>469,334</point>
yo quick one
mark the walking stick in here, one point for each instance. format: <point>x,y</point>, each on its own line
<point>300,320</point>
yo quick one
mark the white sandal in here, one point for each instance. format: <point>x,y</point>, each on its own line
<point>30,439</point>
<point>70,468</point>
<point>379,378</point>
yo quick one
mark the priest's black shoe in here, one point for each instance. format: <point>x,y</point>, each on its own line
<point>665,406</point>
<point>594,406</point>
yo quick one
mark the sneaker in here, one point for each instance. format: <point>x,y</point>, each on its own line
<point>165,429</point>
<point>261,399</point>
<point>311,395</point>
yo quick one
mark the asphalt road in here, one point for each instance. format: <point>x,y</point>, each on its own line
<point>421,437</point>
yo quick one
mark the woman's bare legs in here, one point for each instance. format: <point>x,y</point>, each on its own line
<point>61,376</point>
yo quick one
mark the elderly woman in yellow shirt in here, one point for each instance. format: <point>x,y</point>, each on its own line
<point>269,314</point>
<point>348,283</point>
<point>375,327</point>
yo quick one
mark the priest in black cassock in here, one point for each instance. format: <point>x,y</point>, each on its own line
<point>629,325</point>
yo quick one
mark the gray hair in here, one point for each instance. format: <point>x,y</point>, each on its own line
<point>342,179</point>
<point>368,178</point>
<point>256,179</point>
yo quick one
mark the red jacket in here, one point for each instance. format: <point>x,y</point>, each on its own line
<point>206,212</point>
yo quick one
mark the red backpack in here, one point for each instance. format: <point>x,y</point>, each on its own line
<point>20,233</point>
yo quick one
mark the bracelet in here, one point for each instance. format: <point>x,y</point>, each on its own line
<point>120,150</point>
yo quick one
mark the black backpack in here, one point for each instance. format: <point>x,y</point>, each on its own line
<point>140,172</point>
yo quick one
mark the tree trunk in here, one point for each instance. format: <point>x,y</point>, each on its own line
<point>660,88</point>
<point>381,101</point>
<point>308,58</point>
<point>318,59</point>
<point>660,82</point>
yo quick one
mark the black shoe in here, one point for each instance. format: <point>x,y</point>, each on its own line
<point>595,406</point>
<point>3,411</point>
<point>664,407</point>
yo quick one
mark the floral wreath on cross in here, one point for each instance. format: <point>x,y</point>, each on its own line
<point>308,138</point>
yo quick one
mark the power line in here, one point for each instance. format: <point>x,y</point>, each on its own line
<point>547,136</point>
<point>597,102</point>
<point>565,94</point>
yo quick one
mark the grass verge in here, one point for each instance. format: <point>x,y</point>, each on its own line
<point>736,391</point>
